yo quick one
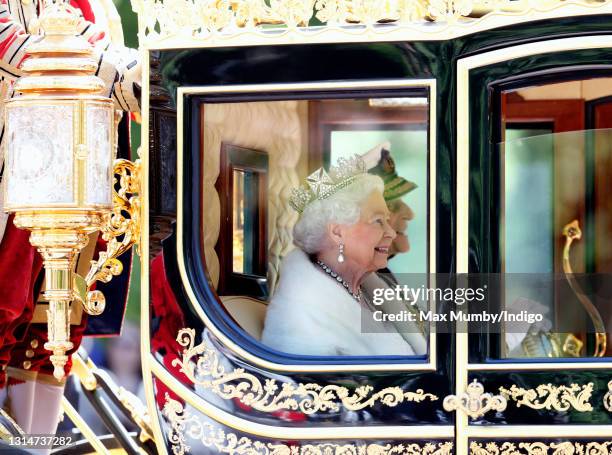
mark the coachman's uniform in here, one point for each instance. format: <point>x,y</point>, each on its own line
<point>24,363</point>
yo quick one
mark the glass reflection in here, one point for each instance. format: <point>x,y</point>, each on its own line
<point>259,234</point>
<point>554,231</point>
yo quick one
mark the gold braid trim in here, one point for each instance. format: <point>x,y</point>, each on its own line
<point>201,364</point>
<point>185,425</point>
<point>559,398</point>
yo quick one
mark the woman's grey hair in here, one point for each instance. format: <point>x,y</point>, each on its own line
<point>343,207</point>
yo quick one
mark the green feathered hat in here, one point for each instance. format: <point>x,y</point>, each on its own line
<point>380,162</point>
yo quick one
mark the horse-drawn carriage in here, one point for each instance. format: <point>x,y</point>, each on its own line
<point>484,131</point>
<point>498,112</point>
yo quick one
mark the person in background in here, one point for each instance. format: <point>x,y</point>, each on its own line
<point>380,162</point>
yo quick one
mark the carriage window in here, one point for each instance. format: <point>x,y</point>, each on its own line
<point>553,170</point>
<point>311,206</point>
<point>242,188</point>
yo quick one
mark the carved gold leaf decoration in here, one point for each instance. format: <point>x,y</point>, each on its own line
<point>293,13</point>
<point>411,10</point>
<point>332,11</point>
<point>551,397</point>
<point>249,13</point>
<point>474,402</point>
<point>338,12</point>
<point>201,364</point>
<point>368,11</point>
<point>213,15</point>
<point>184,425</point>
<point>607,399</point>
<point>541,448</point>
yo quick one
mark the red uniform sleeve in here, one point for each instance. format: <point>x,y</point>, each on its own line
<point>13,42</point>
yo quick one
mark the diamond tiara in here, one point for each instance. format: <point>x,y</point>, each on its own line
<point>322,184</point>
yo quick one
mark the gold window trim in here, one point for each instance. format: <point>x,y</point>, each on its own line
<point>463,366</point>
<point>182,92</point>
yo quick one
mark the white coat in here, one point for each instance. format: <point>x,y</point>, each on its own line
<point>312,314</point>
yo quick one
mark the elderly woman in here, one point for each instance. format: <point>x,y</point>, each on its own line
<point>343,236</point>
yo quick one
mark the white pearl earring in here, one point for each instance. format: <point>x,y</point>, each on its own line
<point>341,253</point>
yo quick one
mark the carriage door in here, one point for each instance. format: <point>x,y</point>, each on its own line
<point>535,227</point>
<point>222,161</point>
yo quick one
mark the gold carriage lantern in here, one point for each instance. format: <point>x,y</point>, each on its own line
<point>59,176</point>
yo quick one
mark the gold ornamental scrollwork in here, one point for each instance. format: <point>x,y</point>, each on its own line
<point>474,402</point>
<point>450,10</point>
<point>551,397</point>
<point>184,425</point>
<point>607,399</point>
<point>121,231</point>
<point>162,19</point>
<point>541,448</point>
<point>201,364</point>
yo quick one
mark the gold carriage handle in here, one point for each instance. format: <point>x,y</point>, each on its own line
<point>121,231</point>
<point>572,232</point>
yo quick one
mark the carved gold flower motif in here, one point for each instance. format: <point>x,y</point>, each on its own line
<point>201,364</point>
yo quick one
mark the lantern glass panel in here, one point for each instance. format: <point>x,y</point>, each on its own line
<point>40,148</point>
<point>100,156</point>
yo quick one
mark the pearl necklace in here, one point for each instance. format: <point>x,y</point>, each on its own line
<point>340,280</point>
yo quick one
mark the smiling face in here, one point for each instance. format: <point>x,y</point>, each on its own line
<point>401,213</point>
<point>367,242</point>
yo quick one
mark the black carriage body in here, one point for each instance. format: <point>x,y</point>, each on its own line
<point>385,425</point>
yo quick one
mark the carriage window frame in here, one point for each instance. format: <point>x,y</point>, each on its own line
<point>486,349</point>
<point>194,274</point>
